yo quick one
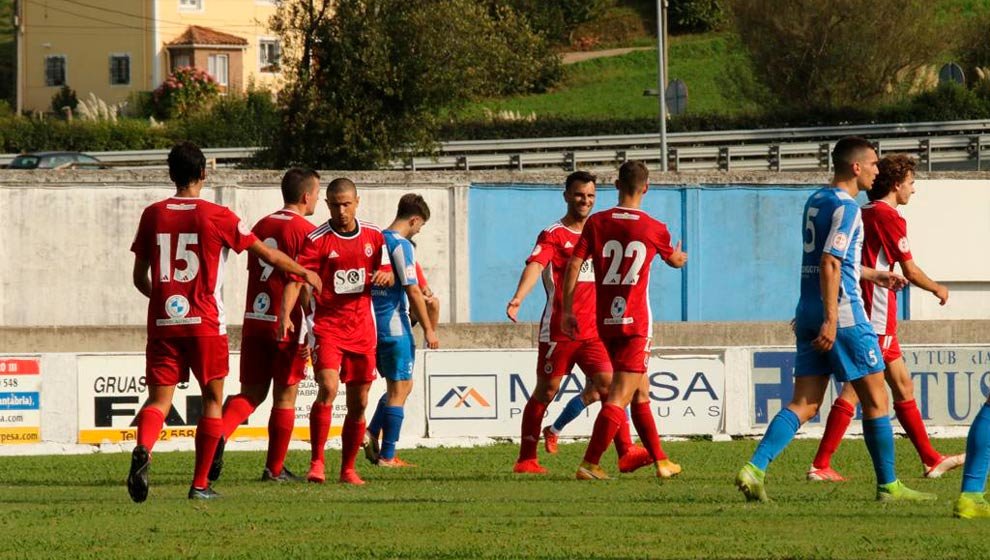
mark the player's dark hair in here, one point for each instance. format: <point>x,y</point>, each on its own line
<point>412,205</point>
<point>186,164</point>
<point>894,169</point>
<point>633,175</point>
<point>848,151</point>
<point>578,177</point>
<point>294,184</point>
<point>341,185</point>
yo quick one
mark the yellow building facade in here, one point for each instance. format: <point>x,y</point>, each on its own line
<point>113,47</point>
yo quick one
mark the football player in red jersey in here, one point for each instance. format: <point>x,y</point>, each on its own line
<point>558,353</point>
<point>885,243</point>
<point>350,256</point>
<point>183,242</point>
<point>266,360</point>
<point>621,242</point>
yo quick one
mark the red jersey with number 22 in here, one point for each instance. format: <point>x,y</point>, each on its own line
<point>286,231</point>
<point>344,311</point>
<point>186,241</point>
<point>553,250</point>
<point>621,243</point>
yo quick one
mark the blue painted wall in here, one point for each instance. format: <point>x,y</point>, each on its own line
<point>743,243</point>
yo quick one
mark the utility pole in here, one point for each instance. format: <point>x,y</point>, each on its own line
<point>662,78</point>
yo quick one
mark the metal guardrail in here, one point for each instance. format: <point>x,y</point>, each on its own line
<point>954,143</point>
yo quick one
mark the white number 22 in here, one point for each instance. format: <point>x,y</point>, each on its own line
<point>614,250</point>
<point>182,253</point>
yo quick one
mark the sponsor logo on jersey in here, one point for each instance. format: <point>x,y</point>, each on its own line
<point>903,245</point>
<point>625,216</point>
<point>587,273</point>
<point>333,254</point>
<point>177,306</point>
<point>410,272</point>
<point>568,245</point>
<point>618,309</point>
<point>262,302</point>
<point>349,281</point>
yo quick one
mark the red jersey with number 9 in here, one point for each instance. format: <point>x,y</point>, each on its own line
<point>186,241</point>
<point>621,243</point>
<point>286,231</point>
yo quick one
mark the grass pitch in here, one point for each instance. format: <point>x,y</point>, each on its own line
<point>465,503</point>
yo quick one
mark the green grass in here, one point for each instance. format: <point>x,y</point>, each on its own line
<point>613,87</point>
<point>464,503</point>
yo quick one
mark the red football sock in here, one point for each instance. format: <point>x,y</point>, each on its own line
<point>532,418</point>
<point>910,418</point>
<point>835,427</point>
<point>609,421</point>
<point>623,439</point>
<point>280,426</point>
<point>319,429</point>
<point>646,427</point>
<point>236,410</point>
<point>351,437</point>
<point>149,426</point>
<point>208,433</point>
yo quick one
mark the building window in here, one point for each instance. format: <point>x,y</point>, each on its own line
<point>181,61</point>
<point>269,54</point>
<point>120,69</point>
<point>55,70</point>
<point>216,66</point>
<point>190,4</point>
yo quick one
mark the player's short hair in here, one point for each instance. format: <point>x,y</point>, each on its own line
<point>632,174</point>
<point>341,185</point>
<point>847,151</point>
<point>894,169</point>
<point>294,184</point>
<point>186,164</point>
<point>412,205</point>
<point>578,177</point>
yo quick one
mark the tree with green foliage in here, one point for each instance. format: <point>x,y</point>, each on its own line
<point>837,53</point>
<point>381,73</point>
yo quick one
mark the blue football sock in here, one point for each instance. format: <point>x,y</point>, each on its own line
<point>391,426</point>
<point>375,426</point>
<point>879,436</point>
<point>977,453</point>
<point>571,411</point>
<point>780,432</point>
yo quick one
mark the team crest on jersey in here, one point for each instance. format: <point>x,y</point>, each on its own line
<point>840,241</point>
<point>368,249</point>
<point>903,245</point>
<point>177,307</point>
<point>262,302</point>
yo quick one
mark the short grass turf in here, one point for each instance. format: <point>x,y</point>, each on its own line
<point>466,503</point>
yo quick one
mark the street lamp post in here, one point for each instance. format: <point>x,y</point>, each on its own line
<point>662,80</point>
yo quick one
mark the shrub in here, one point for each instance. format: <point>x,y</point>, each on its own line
<point>950,101</point>
<point>64,97</point>
<point>694,16</point>
<point>184,92</point>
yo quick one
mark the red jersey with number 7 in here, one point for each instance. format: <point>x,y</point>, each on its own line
<point>286,231</point>
<point>553,250</point>
<point>621,243</point>
<point>186,240</point>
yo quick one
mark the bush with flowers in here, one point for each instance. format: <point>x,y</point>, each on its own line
<point>186,91</point>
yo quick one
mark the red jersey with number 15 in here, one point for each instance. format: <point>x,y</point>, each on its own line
<point>621,243</point>
<point>344,310</point>
<point>186,241</point>
<point>553,250</point>
<point>885,242</point>
<point>286,231</point>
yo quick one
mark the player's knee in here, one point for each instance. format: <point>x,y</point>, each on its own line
<point>805,410</point>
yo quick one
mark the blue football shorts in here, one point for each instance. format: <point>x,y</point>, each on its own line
<point>855,354</point>
<point>395,357</point>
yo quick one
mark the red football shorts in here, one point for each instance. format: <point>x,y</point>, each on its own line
<point>168,360</point>
<point>353,367</point>
<point>890,347</point>
<point>628,354</point>
<point>557,359</point>
<point>264,360</point>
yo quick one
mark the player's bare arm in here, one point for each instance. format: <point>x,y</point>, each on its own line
<point>290,294</point>
<point>530,276</point>
<point>678,258</point>
<point>142,280</point>
<point>568,321</point>
<point>916,276</point>
<point>284,263</point>
<point>418,304</point>
<point>831,270</point>
<point>883,278</point>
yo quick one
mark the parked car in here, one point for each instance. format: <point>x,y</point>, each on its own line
<point>55,160</point>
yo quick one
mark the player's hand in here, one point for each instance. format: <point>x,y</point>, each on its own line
<point>383,279</point>
<point>512,310</point>
<point>678,258</point>
<point>569,324</point>
<point>313,279</point>
<point>285,326</point>
<point>942,293</point>
<point>826,337</point>
<point>890,280</point>
<point>432,342</point>
<point>304,352</point>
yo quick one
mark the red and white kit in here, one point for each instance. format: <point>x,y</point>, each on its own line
<point>558,352</point>
<point>186,240</point>
<point>263,356</point>
<point>885,243</point>
<point>621,243</point>
<point>344,324</point>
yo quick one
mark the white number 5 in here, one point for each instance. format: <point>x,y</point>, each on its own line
<point>809,226</point>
